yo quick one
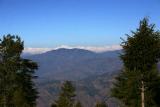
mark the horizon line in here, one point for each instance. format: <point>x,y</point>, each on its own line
<point>97,49</point>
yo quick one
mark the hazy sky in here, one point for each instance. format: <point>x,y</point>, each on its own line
<point>50,23</point>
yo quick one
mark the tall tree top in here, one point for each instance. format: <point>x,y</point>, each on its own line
<point>11,46</point>
<point>68,89</point>
<point>142,49</point>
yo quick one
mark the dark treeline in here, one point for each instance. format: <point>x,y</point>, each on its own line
<point>137,85</point>
<point>16,86</point>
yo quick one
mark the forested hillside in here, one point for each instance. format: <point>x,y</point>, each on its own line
<point>91,72</point>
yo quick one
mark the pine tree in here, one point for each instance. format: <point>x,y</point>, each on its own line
<point>24,81</point>
<point>16,86</point>
<point>101,104</point>
<point>67,95</point>
<point>141,52</point>
<point>127,88</point>
<point>9,55</point>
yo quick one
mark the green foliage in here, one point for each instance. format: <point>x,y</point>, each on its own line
<point>24,80</point>
<point>141,52</point>
<point>127,88</point>
<point>16,86</point>
<point>101,104</point>
<point>19,98</point>
<point>142,49</point>
<point>67,95</point>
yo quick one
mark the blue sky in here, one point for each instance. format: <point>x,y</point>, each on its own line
<point>50,23</point>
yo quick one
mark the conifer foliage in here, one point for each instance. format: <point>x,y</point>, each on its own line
<point>67,96</point>
<point>16,75</point>
<point>138,85</point>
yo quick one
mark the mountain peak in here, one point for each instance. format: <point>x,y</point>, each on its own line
<point>71,51</point>
<point>97,49</point>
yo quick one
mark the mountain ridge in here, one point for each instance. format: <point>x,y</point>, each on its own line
<point>69,61</point>
<point>91,72</point>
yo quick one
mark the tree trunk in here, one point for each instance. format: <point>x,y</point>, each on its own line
<point>142,93</point>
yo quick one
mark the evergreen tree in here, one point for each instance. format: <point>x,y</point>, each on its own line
<point>127,88</point>
<point>135,84</point>
<point>67,95</point>
<point>16,86</point>
<point>24,81</point>
<point>101,104</point>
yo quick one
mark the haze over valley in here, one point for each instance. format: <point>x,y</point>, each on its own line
<point>83,67</point>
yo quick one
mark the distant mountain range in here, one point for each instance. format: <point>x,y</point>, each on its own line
<point>92,73</point>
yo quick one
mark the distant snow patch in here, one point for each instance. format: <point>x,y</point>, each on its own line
<point>36,50</point>
<point>90,48</point>
<point>93,48</point>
